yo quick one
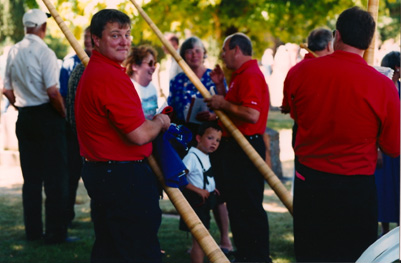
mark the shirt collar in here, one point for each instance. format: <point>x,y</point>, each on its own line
<point>98,56</point>
<point>34,37</point>
<point>245,65</point>
<point>348,56</point>
<point>309,56</point>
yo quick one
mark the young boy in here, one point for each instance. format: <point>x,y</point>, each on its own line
<point>201,190</point>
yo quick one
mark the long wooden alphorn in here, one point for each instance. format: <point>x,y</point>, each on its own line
<point>260,164</point>
<point>208,244</point>
<point>304,46</point>
<point>373,9</point>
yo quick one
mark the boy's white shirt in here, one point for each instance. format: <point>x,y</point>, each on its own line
<point>195,174</point>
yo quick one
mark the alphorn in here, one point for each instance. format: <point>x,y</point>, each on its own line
<point>260,164</point>
<point>304,46</point>
<point>202,235</point>
<point>369,55</point>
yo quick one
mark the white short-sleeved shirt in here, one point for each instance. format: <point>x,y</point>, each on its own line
<point>31,69</point>
<point>148,96</point>
<point>195,174</point>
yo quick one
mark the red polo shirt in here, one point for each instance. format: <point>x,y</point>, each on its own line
<point>248,88</point>
<point>107,107</point>
<point>344,109</point>
<point>285,105</point>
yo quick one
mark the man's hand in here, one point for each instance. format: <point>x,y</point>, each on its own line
<point>216,102</point>
<point>217,76</point>
<point>164,119</point>
<point>206,116</point>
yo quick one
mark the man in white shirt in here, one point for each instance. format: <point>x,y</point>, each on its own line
<point>31,84</point>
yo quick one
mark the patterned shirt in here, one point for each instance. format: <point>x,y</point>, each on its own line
<point>182,91</point>
<point>72,89</point>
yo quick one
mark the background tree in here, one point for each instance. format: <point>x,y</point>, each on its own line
<point>268,22</point>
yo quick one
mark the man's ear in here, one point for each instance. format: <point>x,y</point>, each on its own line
<point>237,50</point>
<point>96,41</point>
<point>198,138</point>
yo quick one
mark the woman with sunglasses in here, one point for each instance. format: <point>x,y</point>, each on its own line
<point>140,65</point>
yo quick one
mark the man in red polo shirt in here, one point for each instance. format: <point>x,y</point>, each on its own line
<point>114,139</point>
<point>320,42</point>
<point>345,110</point>
<point>247,105</point>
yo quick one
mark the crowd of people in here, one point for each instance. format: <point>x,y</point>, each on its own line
<point>101,123</point>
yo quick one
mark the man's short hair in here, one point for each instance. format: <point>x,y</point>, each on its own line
<point>190,43</point>
<point>319,38</point>
<point>242,41</point>
<point>356,27</point>
<point>391,60</point>
<point>137,55</point>
<point>101,18</point>
<point>172,37</point>
<point>206,125</point>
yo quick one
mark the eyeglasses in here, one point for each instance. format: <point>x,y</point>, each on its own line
<point>150,63</point>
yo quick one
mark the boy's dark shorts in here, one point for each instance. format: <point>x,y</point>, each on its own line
<point>202,210</point>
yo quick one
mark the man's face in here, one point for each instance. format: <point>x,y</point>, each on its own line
<point>227,55</point>
<point>88,41</point>
<point>115,42</point>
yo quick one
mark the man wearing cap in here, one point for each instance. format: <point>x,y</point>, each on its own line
<point>30,84</point>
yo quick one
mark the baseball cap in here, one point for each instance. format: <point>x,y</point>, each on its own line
<point>34,17</point>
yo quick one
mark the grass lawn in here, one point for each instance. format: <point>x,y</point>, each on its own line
<point>14,248</point>
<point>277,120</point>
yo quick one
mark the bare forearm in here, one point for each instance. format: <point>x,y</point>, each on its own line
<point>240,112</point>
<point>149,130</point>
<point>56,100</point>
<point>10,96</point>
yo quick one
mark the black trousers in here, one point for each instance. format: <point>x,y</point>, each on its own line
<point>41,138</point>
<point>242,188</point>
<point>125,212</point>
<point>74,170</point>
<point>335,216</point>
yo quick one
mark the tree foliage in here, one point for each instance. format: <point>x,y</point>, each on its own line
<point>267,22</point>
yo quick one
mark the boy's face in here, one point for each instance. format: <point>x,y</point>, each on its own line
<point>209,141</point>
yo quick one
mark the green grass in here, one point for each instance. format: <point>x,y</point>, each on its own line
<point>14,248</point>
<point>277,121</point>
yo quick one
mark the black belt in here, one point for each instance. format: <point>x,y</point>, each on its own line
<point>113,162</point>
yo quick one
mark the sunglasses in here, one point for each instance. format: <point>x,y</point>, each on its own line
<point>150,63</point>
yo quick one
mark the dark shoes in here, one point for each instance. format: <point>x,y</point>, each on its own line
<point>59,240</point>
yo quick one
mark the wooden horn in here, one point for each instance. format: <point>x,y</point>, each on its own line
<point>304,46</point>
<point>202,235</point>
<point>373,9</point>
<point>264,169</point>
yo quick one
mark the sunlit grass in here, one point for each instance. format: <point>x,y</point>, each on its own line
<point>14,248</point>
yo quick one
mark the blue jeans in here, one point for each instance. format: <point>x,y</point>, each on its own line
<point>125,211</point>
